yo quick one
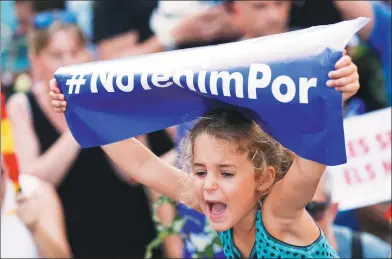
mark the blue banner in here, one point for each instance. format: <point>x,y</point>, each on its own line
<point>279,80</point>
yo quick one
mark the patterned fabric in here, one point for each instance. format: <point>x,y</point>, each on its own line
<point>267,246</point>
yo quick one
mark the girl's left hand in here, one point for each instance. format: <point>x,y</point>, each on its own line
<point>345,78</point>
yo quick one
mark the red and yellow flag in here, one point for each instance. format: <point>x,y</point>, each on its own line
<point>7,146</point>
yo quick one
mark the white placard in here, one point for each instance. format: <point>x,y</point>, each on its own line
<point>366,177</point>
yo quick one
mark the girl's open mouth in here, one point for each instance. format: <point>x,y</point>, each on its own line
<point>216,210</point>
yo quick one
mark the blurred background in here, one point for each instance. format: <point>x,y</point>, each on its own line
<point>90,208</point>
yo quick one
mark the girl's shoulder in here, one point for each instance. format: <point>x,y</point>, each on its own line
<point>269,246</point>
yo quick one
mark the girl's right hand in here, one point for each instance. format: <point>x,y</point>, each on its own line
<point>58,103</point>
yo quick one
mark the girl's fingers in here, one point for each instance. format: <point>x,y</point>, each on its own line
<point>56,103</point>
<point>53,86</point>
<point>341,82</point>
<point>60,110</point>
<point>55,96</point>
<point>343,72</point>
<point>350,88</point>
<point>343,61</point>
<point>59,104</point>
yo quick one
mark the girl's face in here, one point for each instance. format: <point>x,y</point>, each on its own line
<point>224,182</point>
<point>63,49</point>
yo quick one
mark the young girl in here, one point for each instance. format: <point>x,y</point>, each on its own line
<point>252,189</point>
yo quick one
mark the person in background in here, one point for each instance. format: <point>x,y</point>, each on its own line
<point>211,24</point>
<point>83,11</point>
<point>377,33</point>
<point>122,29</point>
<point>282,16</point>
<point>348,243</point>
<point>14,57</point>
<point>260,18</point>
<point>16,74</point>
<point>32,222</point>
<point>105,215</point>
<point>24,14</point>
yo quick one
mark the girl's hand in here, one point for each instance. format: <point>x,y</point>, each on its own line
<point>58,103</point>
<point>345,78</point>
<point>27,210</point>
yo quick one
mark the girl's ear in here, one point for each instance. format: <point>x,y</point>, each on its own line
<point>266,180</point>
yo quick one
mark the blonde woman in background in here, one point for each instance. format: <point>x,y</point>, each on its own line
<point>105,214</point>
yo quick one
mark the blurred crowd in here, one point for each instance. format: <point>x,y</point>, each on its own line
<point>75,202</point>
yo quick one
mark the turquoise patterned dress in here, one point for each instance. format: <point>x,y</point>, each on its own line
<point>267,246</point>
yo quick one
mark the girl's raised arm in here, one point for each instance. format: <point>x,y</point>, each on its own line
<point>139,163</point>
<point>290,196</point>
<point>296,190</point>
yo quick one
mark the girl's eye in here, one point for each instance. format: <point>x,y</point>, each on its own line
<point>227,174</point>
<point>200,173</point>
